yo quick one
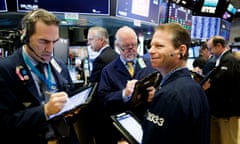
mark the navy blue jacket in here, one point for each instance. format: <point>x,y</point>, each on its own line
<point>178,114</point>
<point>113,80</point>
<point>21,110</point>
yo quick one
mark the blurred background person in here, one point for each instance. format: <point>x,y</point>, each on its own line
<point>222,92</point>
<point>201,60</point>
<point>98,41</point>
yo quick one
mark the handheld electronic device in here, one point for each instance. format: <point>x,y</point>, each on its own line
<point>78,98</point>
<point>129,126</point>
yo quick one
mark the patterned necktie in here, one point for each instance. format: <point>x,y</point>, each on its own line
<point>130,68</point>
<point>41,83</point>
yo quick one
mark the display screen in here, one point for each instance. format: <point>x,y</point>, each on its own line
<point>225,29</point>
<point>231,9</point>
<point>96,7</point>
<point>3,6</point>
<point>181,15</point>
<point>226,15</point>
<point>128,124</point>
<point>74,102</point>
<point>143,10</point>
<point>209,6</point>
<point>163,12</point>
<point>205,27</point>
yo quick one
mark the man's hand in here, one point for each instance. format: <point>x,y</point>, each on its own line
<point>56,103</point>
<point>151,92</point>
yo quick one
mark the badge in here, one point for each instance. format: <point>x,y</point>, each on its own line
<point>141,63</point>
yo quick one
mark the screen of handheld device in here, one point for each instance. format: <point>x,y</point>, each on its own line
<point>129,126</point>
<point>79,98</point>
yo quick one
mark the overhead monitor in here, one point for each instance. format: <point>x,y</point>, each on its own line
<point>227,16</point>
<point>214,8</point>
<point>3,6</point>
<point>204,27</point>
<point>142,10</point>
<point>231,9</point>
<point>94,7</point>
<point>225,29</point>
<point>163,11</point>
<point>209,6</point>
<point>181,15</point>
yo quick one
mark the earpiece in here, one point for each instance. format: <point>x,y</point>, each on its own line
<point>180,55</point>
<point>25,36</point>
<point>26,27</point>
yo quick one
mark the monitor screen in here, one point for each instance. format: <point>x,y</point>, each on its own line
<point>96,7</point>
<point>163,12</point>
<point>209,6</point>
<point>225,29</point>
<point>181,15</point>
<point>3,6</point>
<point>227,16</point>
<point>231,9</point>
<point>144,10</point>
<point>205,27</point>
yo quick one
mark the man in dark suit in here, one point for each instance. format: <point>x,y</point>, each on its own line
<point>117,83</point>
<point>222,90</point>
<point>98,40</point>
<point>29,95</point>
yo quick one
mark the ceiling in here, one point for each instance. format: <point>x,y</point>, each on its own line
<point>12,20</point>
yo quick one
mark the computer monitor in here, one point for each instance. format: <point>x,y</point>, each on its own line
<point>204,27</point>
<point>144,10</point>
<point>231,9</point>
<point>3,6</point>
<point>94,7</point>
<point>181,15</point>
<point>209,6</point>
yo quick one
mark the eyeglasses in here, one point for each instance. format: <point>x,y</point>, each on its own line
<point>128,46</point>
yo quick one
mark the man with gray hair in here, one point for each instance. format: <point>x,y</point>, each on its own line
<point>98,40</point>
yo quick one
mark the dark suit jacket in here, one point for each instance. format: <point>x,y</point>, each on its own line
<point>109,97</point>
<point>223,93</point>
<point>105,57</point>
<point>113,80</point>
<point>210,64</point>
<point>22,114</point>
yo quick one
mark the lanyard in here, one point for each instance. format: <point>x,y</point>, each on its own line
<point>50,85</point>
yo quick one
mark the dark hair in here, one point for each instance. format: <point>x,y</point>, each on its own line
<point>203,47</point>
<point>219,40</point>
<point>29,21</point>
<point>179,35</point>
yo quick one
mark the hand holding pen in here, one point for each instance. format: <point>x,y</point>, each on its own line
<point>55,103</point>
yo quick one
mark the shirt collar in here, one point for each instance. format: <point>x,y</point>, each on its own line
<point>169,74</point>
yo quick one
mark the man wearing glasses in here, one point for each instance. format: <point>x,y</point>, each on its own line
<point>118,79</point>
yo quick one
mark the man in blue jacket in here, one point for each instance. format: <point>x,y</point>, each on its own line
<point>179,112</point>
<point>29,96</point>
